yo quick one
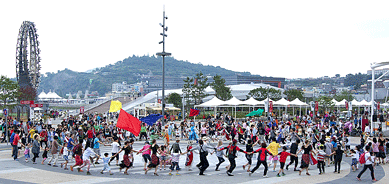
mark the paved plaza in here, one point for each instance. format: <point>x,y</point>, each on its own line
<point>22,172</point>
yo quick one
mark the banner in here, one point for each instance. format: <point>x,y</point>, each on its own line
<point>378,105</point>
<point>270,106</point>
<point>346,105</point>
<point>316,106</point>
<point>151,119</point>
<point>32,113</point>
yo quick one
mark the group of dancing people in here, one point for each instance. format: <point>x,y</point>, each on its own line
<point>320,143</point>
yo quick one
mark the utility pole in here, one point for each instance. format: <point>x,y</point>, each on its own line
<point>163,54</point>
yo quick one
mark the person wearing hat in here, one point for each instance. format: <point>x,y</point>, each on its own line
<point>232,149</point>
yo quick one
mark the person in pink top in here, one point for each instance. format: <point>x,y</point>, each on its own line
<point>146,153</point>
<point>204,131</point>
<point>375,146</point>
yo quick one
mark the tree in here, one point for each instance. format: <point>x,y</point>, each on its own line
<point>326,102</point>
<point>221,90</point>
<point>293,94</point>
<point>356,80</point>
<point>344,95</point>
<point>9,92</point>
<point>199,85</point>
<point>175,99</point>
<point>187,90</point>
<point>262,93</point>
<point>27,93</point>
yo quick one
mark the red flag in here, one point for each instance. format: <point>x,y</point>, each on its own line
<point>194,112</point>
<point>128,122</point>
<point>195,82</point>
<point>270,106</point>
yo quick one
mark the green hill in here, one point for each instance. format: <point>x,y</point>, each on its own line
<point>130,70</point>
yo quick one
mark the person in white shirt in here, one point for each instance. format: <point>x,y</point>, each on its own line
<point>367,130</point>
<point>368,164</point>
<point>115,149</point>
<point>87,153</point>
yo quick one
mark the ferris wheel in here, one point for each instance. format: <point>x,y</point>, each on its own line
<point>27,56</point>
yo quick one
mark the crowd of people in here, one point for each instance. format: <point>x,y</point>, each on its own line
<point>323,142</point>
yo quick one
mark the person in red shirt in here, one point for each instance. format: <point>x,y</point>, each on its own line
<point>232,150</point>
<point>90,133</point>
<point>283,156</point>
<point>15,144</point>
<point>263,152</point>
<point>44,137</point>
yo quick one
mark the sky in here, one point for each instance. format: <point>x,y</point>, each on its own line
<point>292,39</point>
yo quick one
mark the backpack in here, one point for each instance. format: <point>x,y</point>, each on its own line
<point>175,148</point>
<point>232,152</point>
<point>362,159</point>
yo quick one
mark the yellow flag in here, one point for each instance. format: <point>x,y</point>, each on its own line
<point>115,106</point>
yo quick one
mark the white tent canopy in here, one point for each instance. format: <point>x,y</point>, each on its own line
<point>263,102</point>
<point>252,101</point>
<point>281,102</point>
<point>341,103</point>
<point>42,95</point>
<point>214,102</point>
<point>365,103</point>
<point>297,102</point>
<point>232,102</point>
<point>356,103</point>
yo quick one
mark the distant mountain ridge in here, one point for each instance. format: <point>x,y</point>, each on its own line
<point>131,70</point>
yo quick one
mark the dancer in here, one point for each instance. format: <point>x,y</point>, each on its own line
<point>283,156</point>
<point>87,153</point>
<point>189,156</point>
<point>203,149</point>
<point>249,157</point>
<point>307,148</point>
<point>154,159</point>
<point>232,155</point>
<point>219,154</point>
<point>263,152</point>
<point>273,148</point>
<point>145,154</point>
<point>293,159</point>
<point>127,157</point>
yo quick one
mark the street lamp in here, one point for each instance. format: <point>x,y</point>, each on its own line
<point>163,54</point>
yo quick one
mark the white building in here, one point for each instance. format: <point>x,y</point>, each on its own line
<point>378,72</point>
<point>127,88</point>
